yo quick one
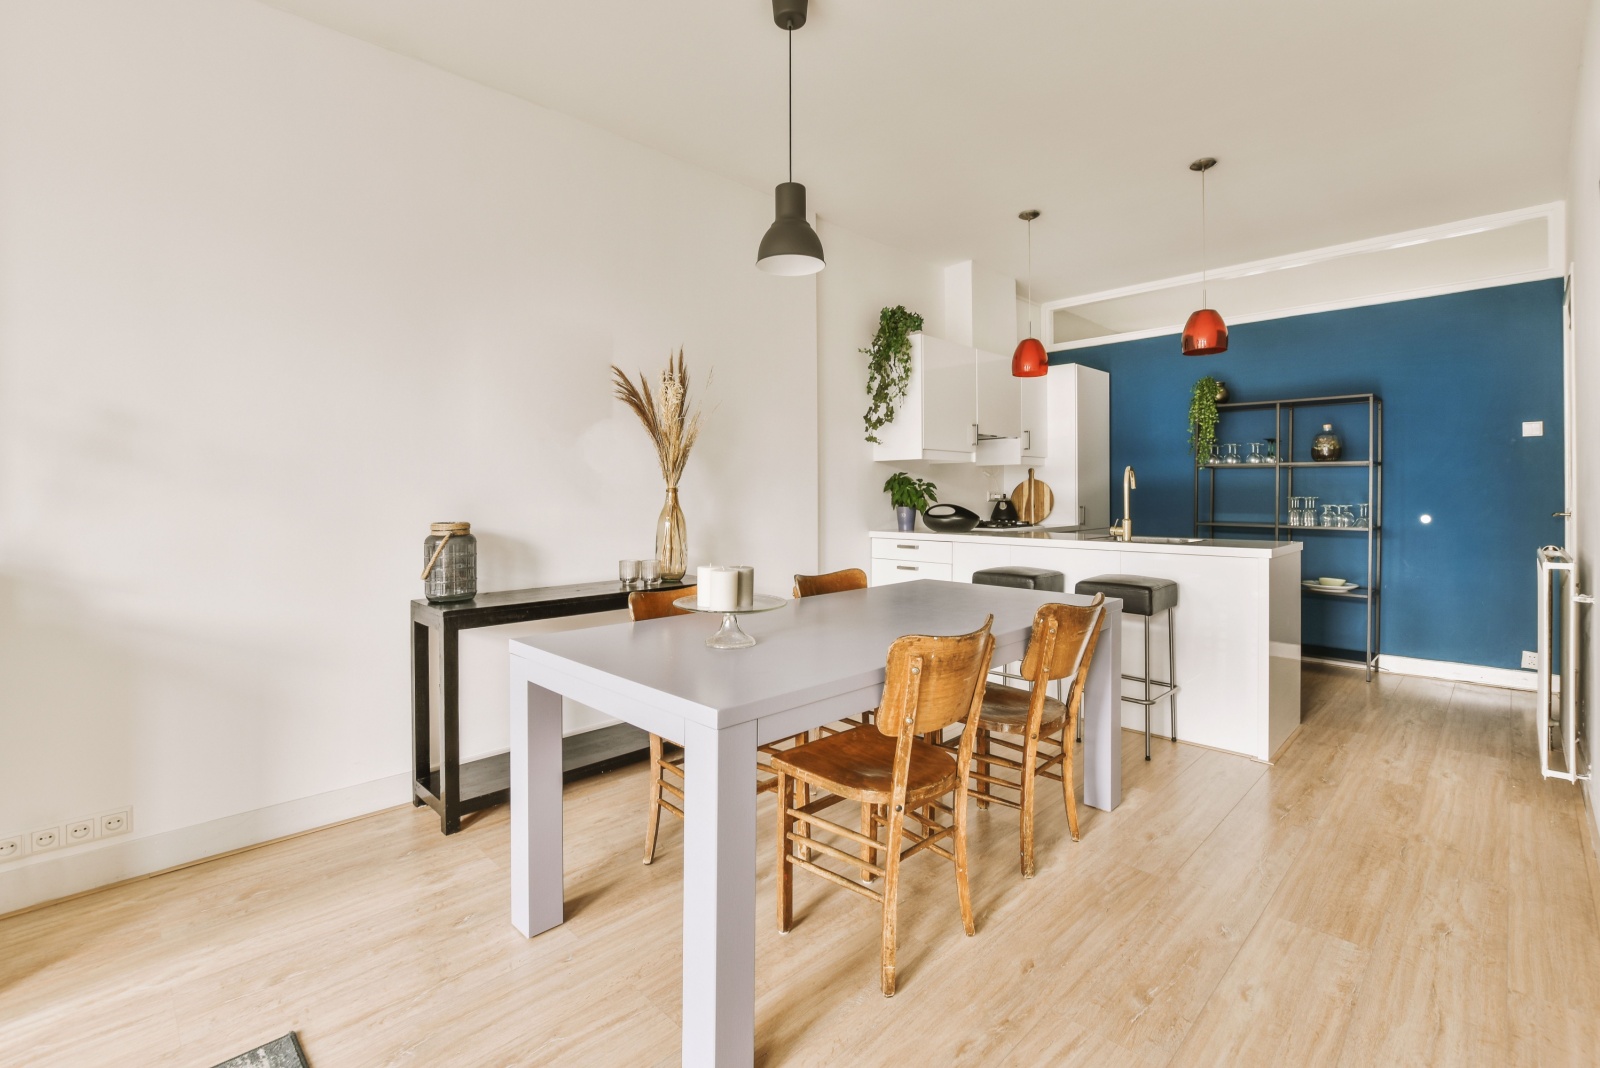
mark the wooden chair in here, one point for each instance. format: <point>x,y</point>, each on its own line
<point>1062,647</point>
<point>657,604</point>
<point>932,683</point>
<point>851,578</point>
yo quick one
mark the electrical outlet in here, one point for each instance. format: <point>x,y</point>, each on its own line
<point>1530,660</point>
<point>118,822</point>
<point>10,848</point>
<point>81,830</point>
<point>43,840</point>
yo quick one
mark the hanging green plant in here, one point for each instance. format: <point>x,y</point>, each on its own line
<point>888,365</point>
<point>1203,419</point>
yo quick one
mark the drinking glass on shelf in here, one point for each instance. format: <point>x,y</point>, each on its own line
<point>1255,456</point>
<point>650,572</point>
<point>1364,515</point>
<point>1297,511</point>
<point>1230,453</point>
<point>628,573</point>
<point>1327,516</point>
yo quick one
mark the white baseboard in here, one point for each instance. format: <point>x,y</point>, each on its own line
<point>1506,678</point>
<point>37,879</point>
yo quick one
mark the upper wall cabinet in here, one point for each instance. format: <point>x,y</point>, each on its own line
<point>937,419</point>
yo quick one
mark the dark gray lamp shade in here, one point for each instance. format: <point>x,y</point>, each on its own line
<point>790,246</point>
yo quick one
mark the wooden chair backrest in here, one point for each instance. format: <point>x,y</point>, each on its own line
<point>851,578</point>
<point>656,604</point>
<point>1063,638</point>
<point>934,682</point>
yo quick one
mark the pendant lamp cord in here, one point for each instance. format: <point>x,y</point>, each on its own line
<point>790,34</point>
<point>1030,277</point>
<point>1205,297</point>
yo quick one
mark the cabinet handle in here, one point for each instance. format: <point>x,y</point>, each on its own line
<point>1083,515</point>
<point>906,567</point>
<point>908,546</point>
<point>974,435</point>
<point>1027,441</point>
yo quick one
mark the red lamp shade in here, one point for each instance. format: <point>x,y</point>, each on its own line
<point>1205,334</point>
<point>1030,360</point>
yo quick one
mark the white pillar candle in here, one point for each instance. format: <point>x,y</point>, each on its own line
<point>702,586</point>
<point>722,588</point>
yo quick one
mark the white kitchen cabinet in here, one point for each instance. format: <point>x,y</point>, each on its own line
<point>937,419</point>
<point>1077,465</point>
<point>999,397</point>
<point>1035,417</point>
<point>885,572</point>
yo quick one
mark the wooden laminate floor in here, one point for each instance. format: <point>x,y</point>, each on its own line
<point>1401,888</point>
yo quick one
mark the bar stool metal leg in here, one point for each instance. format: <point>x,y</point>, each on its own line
<point>1172,674</point>
<point>1147,687</point>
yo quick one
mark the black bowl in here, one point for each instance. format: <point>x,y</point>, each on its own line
<point>949,519</point>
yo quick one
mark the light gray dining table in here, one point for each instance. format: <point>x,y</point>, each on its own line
<point>816,660</point>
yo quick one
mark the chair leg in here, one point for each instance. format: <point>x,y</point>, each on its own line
<point>1030,756</point>
<point>1172,676</point>
<point>891,890</point>
<point>1067,788</point>
<point>981,748</point>
<point>868,854</point>
<point>967,924</point>
<point>786,824</point>
<point>653,821</point>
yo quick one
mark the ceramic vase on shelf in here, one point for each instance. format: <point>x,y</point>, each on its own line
<point>905,518</point>
<point>672,541</point>
<point>1326,445</point>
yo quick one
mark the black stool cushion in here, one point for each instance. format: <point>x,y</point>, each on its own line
<point>1141,595</point>
<point>1022,578</point>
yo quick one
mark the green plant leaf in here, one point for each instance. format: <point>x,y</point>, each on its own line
<point>888,366</point>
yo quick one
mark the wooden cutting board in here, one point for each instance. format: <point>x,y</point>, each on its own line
<point>1033,499</point>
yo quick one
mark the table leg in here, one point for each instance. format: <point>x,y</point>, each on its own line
<point>1102,717</point>
<point>536,862</point>
<point>450,728</point>
<point>719,896</point>
<point>421,743</point>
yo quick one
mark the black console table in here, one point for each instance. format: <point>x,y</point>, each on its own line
<point>454,789</point>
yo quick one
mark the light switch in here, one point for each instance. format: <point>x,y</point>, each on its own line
<point>1534,429</point>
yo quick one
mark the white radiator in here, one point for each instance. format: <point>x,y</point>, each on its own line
<point>1560,737</point>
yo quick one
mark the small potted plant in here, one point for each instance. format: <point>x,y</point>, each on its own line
<point>910,496</point>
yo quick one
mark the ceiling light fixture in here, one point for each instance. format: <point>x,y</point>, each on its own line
<point>1030,360</point>
<point>1205,334</point>
<point>791,246</point>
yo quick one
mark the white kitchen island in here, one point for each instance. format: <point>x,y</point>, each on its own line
<point>1237,620</point>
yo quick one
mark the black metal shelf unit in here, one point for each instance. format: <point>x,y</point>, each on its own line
<point>1283,412</point>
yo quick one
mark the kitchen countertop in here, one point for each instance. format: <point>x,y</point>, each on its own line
<point>1099,538</point>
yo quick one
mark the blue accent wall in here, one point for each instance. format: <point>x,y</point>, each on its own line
<point>1458,375</point>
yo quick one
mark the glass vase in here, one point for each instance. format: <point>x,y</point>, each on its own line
<point>672,541</point>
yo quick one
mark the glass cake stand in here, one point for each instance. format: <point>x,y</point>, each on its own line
<point>730,636</point>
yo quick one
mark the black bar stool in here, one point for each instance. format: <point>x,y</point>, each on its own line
<point>1145,596</point>
<point>1022,578</point>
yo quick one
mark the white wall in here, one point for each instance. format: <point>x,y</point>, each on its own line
<point>272,300</point>
<point>862,278</point>
<point>1583,221</point>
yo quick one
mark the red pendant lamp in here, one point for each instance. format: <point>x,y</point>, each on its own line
<point>1030,360</point>
<point>1205,334</point>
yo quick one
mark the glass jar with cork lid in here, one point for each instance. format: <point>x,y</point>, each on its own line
<point>450,568</point>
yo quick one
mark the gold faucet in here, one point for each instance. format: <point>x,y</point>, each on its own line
<point>1123,531</point>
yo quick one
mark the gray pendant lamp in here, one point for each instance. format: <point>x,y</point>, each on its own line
<point>790,246</point>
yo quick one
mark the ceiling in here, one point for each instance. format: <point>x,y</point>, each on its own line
<point>928,124</point>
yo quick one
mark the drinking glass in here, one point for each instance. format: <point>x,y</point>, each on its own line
<point>1364,515</point>
<point>628,573</point>
<point>650,572</point>
<point>1327,516</point>
<point>1230,453</point>
<point>1255,456</point>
